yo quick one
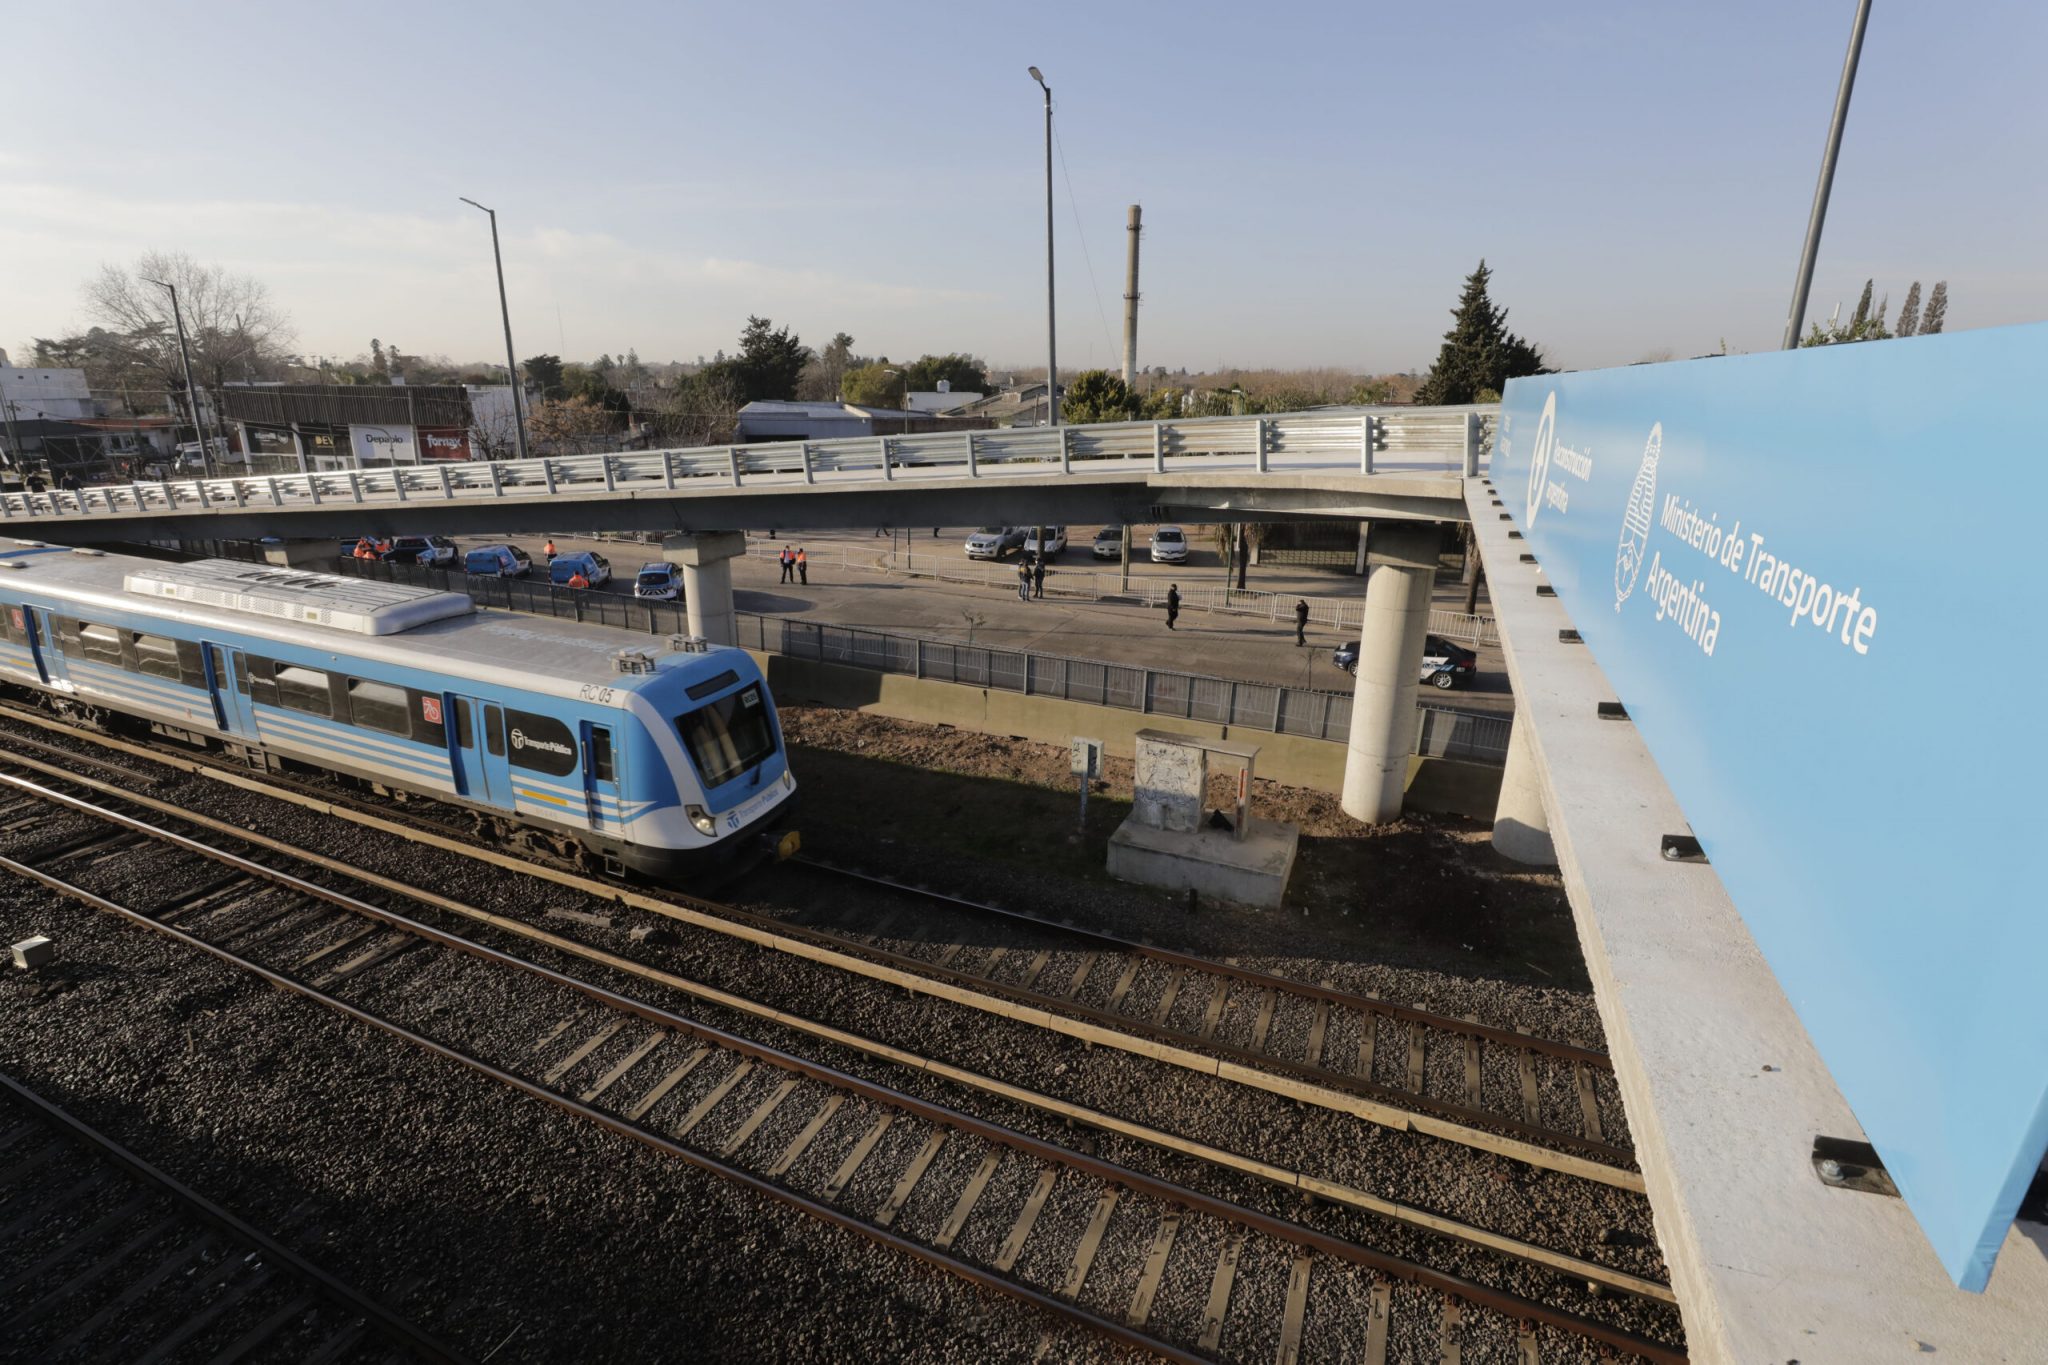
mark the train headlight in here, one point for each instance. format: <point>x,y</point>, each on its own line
<point>788,782</point>
<point>701,818</point>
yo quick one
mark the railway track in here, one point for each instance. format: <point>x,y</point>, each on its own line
<point>1386,1063</point>
<point>105,1256</point>
<point>1536,1088</point>
<point>1128,1255</point>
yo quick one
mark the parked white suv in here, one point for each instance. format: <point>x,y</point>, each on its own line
<point>993,542</point>
<point>1055,541</point>
<point>1169,545</point>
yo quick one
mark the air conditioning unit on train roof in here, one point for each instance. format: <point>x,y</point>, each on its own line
<point>689,644</point>
<point>633,661</point>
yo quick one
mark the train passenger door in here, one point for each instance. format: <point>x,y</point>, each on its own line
<point>600,775</point>
<point>42,644</point>
<point>476,751</point>
<point>227,684</point>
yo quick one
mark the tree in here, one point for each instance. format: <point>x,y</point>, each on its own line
<point>1937,309</point>
<point>1098,396</point>
<point>704,409</point>
<point>588,383</point>
<point>234,329</point>
<point>965,373</point>
<point>823,376</point>
<point>1909,311</point>
<point>770,361</point>
<point>873,386</point>
<point>1478,352</point>
<point>569,419</point>
<point>1370,392</point>
<point>544,372</point>
<point>1860,319</point>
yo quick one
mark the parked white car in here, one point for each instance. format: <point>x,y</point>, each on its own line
<point>993,542</point>
<point>1169,545</point>
<point>1055,541</point>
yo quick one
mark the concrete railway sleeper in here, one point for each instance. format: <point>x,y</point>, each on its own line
<point>1403,1109</point>
<point>1211,993</point>
<point>108,1256</point>
<point>990,1203</point>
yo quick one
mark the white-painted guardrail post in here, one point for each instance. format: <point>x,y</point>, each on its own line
<point>1159,447</point>
<point>732,464</point>
<point>447,488</point>
<point>1471,445</point>
<point>888,471</point>
<point>804,449</point>
<point>398,482</point>
<point>1259,443</point>
<point>355,483</point>
<point>973,459</point>
<point>547,470</point>
<point>1066,455</point>
<point>611,482</point>
<point>1366,433</point>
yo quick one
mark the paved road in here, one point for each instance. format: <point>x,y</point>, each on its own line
<point>1204,642</point>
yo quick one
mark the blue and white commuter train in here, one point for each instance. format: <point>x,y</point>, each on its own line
<point>571,736</point>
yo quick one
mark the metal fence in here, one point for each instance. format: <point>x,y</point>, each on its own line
<point>1307,712</point>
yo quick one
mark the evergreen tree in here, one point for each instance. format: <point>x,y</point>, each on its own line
<point>1909,311</point>
<point>1937,309</point>
<point>1862,313</point>
<point>1479,353</point>
<point>770,361</point>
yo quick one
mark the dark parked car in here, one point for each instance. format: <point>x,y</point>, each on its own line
<point>1444,664</point>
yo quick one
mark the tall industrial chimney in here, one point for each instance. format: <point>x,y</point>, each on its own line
<point>1131,304</point>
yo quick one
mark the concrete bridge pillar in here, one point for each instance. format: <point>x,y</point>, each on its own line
<point>705,559</point>
<point>1521,827</point>
<point>1401,570</point>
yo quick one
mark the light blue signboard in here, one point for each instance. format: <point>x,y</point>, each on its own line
<point>1811,577</point>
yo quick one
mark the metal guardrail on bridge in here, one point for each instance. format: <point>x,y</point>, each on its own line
<point>1415,440</point>
<point>1309,712</point>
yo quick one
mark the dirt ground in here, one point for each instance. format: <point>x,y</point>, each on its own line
<point>1424,891</point>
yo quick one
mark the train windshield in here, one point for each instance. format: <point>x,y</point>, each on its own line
<point>728,736</point>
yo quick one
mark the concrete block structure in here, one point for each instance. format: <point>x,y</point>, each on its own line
<point>1167,842</point>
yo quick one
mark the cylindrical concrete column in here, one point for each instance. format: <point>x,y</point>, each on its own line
<point>1400,572</point>
<point>704,557</point>
<point>1521,827</point>
<point>707,601</point>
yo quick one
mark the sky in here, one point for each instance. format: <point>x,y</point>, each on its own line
<point>1317,179</point>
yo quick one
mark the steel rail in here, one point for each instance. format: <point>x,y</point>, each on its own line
<point>1571,1052</point>
<point>398,1330</point>
<point>1362,1099</point>
<point>1511,1305</point>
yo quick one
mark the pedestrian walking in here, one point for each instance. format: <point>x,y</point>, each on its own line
<point>1038,577</point>
<point>788,563</point>
<point>549,549</point>
<point>1023,580</point>
<point>1300,622</point>
<point>1172,604</point>
<point>803,567</point>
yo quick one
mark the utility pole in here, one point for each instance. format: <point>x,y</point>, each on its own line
<point>191,393</point>
<point>505,312</point>
<point>1131,302</point>
<point>1052,364</point>
<point>1796,319</point>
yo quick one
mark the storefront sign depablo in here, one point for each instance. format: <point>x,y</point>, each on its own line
<point>1808,575</point>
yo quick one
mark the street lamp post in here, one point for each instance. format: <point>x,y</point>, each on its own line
<point>1052,364</point>
<point>191,393</point>
<point>1795,318</point>
<point>505,312</point>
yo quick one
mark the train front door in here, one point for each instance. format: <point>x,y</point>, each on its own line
<point>477,753</point>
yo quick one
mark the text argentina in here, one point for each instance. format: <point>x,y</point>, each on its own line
<point>1682,603</point>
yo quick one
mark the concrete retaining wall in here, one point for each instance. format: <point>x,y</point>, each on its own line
<point>1444,785</point>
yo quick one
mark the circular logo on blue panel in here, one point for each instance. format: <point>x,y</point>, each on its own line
<point>1539,454</point>
<point>1636,518</point>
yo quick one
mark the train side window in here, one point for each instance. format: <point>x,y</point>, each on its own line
<point>101,644</point>
<point>13,623</point>
<point>494,731</point>
<point>379,706</point>
<point>262,689</point>
<point>157,656</point>
<point>601,754</point>
<point>191,671</point>
<point>464,735</point>
<point>303,689</point>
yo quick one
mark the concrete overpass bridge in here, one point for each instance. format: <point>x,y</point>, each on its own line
<point>1401,470</point>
